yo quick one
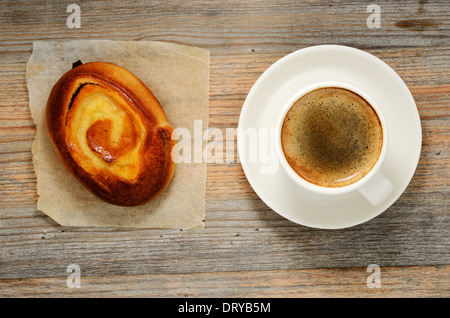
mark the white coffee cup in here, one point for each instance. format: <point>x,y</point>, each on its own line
<point>374,186</point>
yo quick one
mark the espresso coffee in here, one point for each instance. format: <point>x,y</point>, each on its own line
<point>331,137</point>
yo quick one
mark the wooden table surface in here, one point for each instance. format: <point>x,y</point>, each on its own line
<point>245,249</point>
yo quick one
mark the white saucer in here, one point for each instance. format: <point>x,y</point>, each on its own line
<point>331,63</point>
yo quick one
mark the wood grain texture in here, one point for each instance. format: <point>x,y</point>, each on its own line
<point>246,249</point>
<point>418,281</point>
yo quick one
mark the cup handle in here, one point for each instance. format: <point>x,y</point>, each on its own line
<point>377,190</point>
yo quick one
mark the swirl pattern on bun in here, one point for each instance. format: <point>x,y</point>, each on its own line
<point>111,133</point>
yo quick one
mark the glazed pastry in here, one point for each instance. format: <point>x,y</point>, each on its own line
<point>111,133</point>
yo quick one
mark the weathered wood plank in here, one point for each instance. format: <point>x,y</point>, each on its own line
<point>240,235</point>
<point>412,281</point>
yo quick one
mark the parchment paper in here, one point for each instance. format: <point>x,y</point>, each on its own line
<point>179,78</point>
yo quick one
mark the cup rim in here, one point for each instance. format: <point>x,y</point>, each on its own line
<point>311,186</point>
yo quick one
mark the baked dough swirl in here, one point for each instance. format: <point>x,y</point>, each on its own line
<point>111,133</point>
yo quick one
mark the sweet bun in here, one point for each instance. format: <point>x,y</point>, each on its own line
<point>111,133</point>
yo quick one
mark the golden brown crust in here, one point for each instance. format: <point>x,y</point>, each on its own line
<point>111,133</point>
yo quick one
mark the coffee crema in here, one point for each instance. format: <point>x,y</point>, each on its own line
<point>331,137</point>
